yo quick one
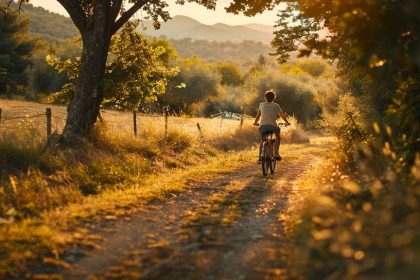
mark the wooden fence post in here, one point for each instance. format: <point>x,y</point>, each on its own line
<point>48,113</point>
<point>135,122</point>
<point>166,110</point>
<point>200,133</point>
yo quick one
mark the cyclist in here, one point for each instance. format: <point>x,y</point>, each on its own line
<point>268,113</point>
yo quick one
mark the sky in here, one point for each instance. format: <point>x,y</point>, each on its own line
<point>189,9</point>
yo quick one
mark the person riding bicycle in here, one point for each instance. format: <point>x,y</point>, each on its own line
<point>268,113</point>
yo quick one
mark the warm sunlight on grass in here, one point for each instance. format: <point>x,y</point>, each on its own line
<point>113,170</point>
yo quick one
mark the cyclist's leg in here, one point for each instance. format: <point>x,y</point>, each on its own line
<point>261,132</point>
<point>277,148</point>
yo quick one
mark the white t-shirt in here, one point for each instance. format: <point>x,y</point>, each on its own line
<point>269,113</point>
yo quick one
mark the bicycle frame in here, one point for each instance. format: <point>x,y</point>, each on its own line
<point>267,154</point>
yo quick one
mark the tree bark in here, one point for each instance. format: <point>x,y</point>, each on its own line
<point>83,109</point>
<point>84,106</point>
<point>97,24</point>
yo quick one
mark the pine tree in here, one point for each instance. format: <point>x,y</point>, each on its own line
<point>15,50</point>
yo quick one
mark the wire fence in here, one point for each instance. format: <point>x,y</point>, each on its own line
<point>52,123</point>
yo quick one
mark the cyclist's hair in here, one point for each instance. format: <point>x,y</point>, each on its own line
<point>270,96</point>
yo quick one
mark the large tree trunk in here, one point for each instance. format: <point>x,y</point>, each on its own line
<point>83,109</point>
<point>96,21</point>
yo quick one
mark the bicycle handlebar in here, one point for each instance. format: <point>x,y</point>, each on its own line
<point>279,124</point>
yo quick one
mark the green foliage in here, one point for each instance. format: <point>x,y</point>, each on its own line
<point>363,224</point>
<point>169,53</point>
<point>294,94</point>
<point>220,51</point>
<point>316,68</point>
<point>49,26</point>
<point>211,88</point>
<point>377,39</point>
<point>231,74</point>
<point>134,76</point>
<point>202,82</point>
<point>137,75</point>
<point>56,28</point>
<point>348,123</point>
<point>15,50</point>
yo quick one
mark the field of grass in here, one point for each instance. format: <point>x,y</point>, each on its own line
<point>44,191</point>
<point>115,121</point>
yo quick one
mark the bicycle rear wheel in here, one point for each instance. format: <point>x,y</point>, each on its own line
<point>266,160</point>
<point>272,165</point>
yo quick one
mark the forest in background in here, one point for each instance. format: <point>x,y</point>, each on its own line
<point>214,76</point>
<point>56,29</point>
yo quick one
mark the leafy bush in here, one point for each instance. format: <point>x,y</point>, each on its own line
<point>293,94</point>
<point>349,124</point>
<point>362,225</point>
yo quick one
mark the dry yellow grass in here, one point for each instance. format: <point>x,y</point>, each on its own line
<point>117,122</point>
<point>121,123</point>
<point>114,169</point>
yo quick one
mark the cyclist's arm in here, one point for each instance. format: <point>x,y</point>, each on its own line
<point>257,117</point>
<point>283,116</point>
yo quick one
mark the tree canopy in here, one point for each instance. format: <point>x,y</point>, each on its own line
<point>376,45</point>
<point>135,74</point>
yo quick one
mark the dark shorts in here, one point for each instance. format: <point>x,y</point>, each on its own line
<point>268,129</point>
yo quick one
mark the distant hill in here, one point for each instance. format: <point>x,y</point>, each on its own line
<point>217,42</point>
<point>181,27</point>
<point>47,25</point>
<point>261,27</point>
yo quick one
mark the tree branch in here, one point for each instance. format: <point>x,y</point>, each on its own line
<point>115,9</point>
<point>76,13</point>
<point>9,3</point>
<point>127,15</point>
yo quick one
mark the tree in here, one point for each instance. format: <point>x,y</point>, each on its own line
<point>200,82</point>
<point>231,74</point>
<point>169,53</point>
<point>15,50</point>
<point>97,21</point>
<point>378,39</point>
<point>134,76</point>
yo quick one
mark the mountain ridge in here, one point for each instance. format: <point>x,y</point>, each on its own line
<point>181,27</point>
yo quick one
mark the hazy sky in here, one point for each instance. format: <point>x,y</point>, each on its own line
<point>192,10</point>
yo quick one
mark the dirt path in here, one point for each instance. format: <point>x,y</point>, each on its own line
<point>222,229</point>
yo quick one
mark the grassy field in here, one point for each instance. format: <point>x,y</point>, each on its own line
<point>115,121</point>
<point>45,191</point>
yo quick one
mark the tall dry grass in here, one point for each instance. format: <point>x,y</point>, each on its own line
<point>360,216</point>
<point>35,178</point>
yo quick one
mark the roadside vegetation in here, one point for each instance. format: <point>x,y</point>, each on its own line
<point>361,221</point>
<point>47,193</point>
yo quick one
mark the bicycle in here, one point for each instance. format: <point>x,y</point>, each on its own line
<point>268,161</point>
